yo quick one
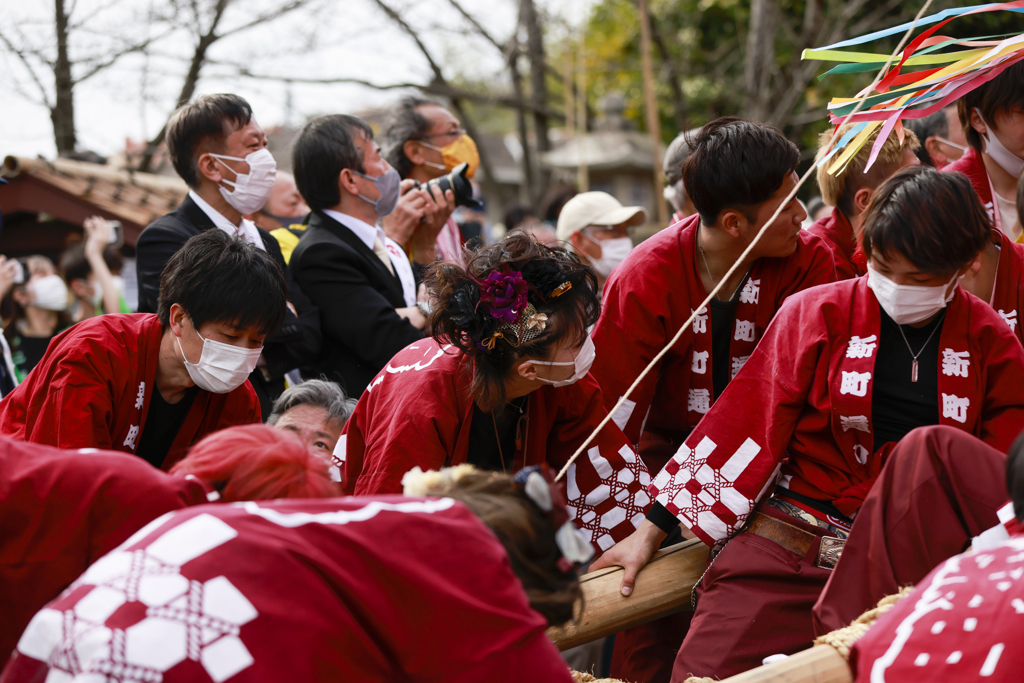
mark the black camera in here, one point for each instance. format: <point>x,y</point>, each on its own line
<point>459,184</point>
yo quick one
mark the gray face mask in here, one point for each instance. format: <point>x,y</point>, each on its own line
<point>390,187</point>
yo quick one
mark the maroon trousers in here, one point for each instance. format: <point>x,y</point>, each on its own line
<point>940,487</point>
<point>755,600</point>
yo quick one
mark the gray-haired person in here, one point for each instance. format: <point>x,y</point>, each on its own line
<point>316,411</point>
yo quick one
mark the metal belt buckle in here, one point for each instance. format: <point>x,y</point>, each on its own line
<point>830,551</point>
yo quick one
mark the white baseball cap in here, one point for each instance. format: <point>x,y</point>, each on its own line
<point>596,208</point>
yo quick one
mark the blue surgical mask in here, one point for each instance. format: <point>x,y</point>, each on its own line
<point>389,185</point>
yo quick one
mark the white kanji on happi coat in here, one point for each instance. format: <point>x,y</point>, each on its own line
<point>737,364</point>
<point>955,364</point>
<point>745,330</point>
<point>141,398</point>
<point>861,453</point>
<point>1009,318</point>
<point>861,348</point>
<point>700,361</point>
<point>133,434</point>
<point>854,383</point>
<point>751,292</point>
<point>700,320</point>
<point>855,422</point>
<point>699,401</point>
<point>954,407</point>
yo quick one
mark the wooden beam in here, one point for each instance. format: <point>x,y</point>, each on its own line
<point>662,588</point>
<point>820,664</point>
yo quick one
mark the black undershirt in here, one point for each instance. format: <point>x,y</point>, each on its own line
<point>899,405</point>
<point>163,421</point>
<point>723,319</point>
<point>484,430</point>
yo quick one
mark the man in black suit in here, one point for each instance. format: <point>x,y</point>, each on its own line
<point>361,280</point>
<point>221,153</point>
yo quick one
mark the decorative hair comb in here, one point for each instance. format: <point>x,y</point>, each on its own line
<point>503,293</point>
<point>538,482</point>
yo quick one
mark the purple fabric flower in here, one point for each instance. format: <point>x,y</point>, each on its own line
<point>505,294</point>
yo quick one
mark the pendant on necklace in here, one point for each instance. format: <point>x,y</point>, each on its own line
<point>913,371</point>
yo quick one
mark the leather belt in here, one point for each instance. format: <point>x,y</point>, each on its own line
<point>795,539</point>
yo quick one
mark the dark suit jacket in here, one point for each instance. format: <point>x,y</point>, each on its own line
<point>357,297</point>
<point>297,342</point>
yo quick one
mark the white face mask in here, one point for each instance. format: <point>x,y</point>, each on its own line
<point>908,304</point>
<point>613,252</point>
<point>222,368</point>
<point>584,359</point>
<point>49,293</point>
<point>1010,162</point>
<point>252,189</point>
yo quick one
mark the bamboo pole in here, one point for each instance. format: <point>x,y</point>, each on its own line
<point>651,110</point>
<point>662,587</point>
<point>820,664</point>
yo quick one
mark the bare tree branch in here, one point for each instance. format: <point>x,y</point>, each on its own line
<point>31,70</point>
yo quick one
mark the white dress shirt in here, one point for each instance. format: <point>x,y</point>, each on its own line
<point>368,234</point>
<point>247,230</point>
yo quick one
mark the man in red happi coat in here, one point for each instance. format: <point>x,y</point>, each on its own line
<point>998,279</point>
<point>992,116</point>
<point>666,278</point>
<point>61,510</point>
<point>153,385</point>
<point>849,191</point>
<point>778,468</point>
<point>376,589</point>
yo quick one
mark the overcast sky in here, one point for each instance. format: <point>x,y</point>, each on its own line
<point>352,39</point>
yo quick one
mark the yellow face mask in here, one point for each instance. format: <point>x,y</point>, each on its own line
<point>463,150</point>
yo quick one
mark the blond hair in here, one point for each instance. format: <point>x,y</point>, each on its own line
<point>838,189</point>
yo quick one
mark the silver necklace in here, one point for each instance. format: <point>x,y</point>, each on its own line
<point>913,367</point>
<point>708,269</point>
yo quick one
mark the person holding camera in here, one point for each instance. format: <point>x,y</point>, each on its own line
<point>424,141</point>
<point>359,278</point>
<point>88,276</point>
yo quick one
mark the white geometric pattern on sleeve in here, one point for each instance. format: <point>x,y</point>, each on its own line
<point>183,619</point>
<point>706,496</point>
<point>611,502</point>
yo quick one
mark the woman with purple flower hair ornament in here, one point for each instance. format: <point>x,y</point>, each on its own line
<point>502,383</point>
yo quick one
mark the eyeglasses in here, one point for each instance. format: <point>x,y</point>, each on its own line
<point>458,132</point>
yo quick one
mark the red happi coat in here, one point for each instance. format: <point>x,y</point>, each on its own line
<point>345,589</point>
<point>418,411</point>
<point>836,231</point>
<point>1008,295</point>
<point>649,297</point>
<point>961,623</point>
<point>60,511</point>
<point>92,390</point>
<point>802,405</point>
<point>972,165</point>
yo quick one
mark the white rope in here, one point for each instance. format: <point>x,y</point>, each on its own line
<point>746,252</point>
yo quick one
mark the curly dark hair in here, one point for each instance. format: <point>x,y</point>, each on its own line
<point>461,320</point>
